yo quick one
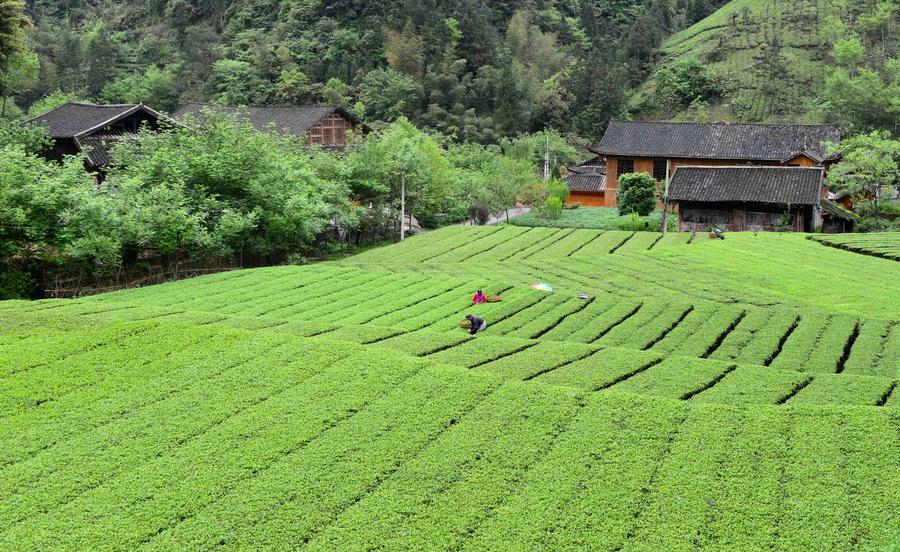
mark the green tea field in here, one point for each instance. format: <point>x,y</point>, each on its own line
<point>879,244</point>
<point>671,393</point>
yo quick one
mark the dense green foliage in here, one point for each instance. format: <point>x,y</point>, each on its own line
<point>474,71</point>
<point>350,411</point>
<point>18,64</point>
<point>869,172</point>
<point>636,194</point>
<point>220,192</point>
<point>763,60</point>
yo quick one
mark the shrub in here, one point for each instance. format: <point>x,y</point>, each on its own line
<point>559,189</point>
<point>15,283</point>
<point>479,213</point>
<point>654,222</point>
<point>553,207</point>
<point>636,194</point>
<point>632,223</point>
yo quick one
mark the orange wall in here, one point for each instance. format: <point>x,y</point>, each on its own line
<point>802,161</point>
<point>612,181</point>
<point>590,199</point>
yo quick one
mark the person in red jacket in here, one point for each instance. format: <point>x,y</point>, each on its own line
<point>478,298</point>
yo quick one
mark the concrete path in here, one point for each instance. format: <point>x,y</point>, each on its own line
<point>501,218</point>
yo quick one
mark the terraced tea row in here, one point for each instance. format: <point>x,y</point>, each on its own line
<point>878,244</point>
<point>348,303</point>
<point>760,269</point>
<point>340,445</point>
<point>597,367</point>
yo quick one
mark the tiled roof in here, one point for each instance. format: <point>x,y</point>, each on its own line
<point>588,181</point>
<point>96,146</point>
<point>769,142</point>
<point>777,185</point>
<point>88,125</point>
<point>288,119</point>
<point>74,118</point>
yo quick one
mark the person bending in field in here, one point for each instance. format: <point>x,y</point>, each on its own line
<point>478,298</point>
<point>477,324</point>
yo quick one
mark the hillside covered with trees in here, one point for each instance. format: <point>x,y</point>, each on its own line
<point>475,70</point>
<point>811,61</point>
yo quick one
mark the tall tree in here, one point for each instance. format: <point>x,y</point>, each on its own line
<point>18,65</point>
<point>869,167</point>
<point>13,23</point>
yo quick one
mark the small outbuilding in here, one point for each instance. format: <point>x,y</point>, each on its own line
<point>836,218</point>
<point>743,198</point>
<point>587,185</point>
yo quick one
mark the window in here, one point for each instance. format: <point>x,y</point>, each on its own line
<point>625,166</point>
<point>659,169</point>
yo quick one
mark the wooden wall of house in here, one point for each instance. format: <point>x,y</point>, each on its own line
<point>133,123</point>
<point>801,161</point>
<point>61,147</point>
<point>612,179</point>
<point>698,217</point>
<point>588,199</point>
<point>332,130</point>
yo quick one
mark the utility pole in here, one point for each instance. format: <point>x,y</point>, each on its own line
<point>665,213</point>
<point>547,160</point>
<point>402,205</point>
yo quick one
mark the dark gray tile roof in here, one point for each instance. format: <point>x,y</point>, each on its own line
<point>778,185</point>
<point>735,141</point>
<point>88,125</point>
<point>96,146</point>
<point>587,181</point>
<point>74,118</point>
<point>288,119</point>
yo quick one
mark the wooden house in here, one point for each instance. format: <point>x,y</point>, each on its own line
<point>91,129</point>
<point>659,148</point>
<point>754,198</point>
<point>321,126</point>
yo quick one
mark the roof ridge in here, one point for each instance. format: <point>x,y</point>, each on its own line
<point>62,105</point>
<point>728,123</point>
<point>210,104</point>
<point>89,104</point>
<point>788,167</point>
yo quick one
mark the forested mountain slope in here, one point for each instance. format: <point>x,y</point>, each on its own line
<point>476,70</point>
<point>803,60</point>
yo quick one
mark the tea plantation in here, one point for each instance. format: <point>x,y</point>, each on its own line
<point>879,244</point>
<point>706,394</point>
